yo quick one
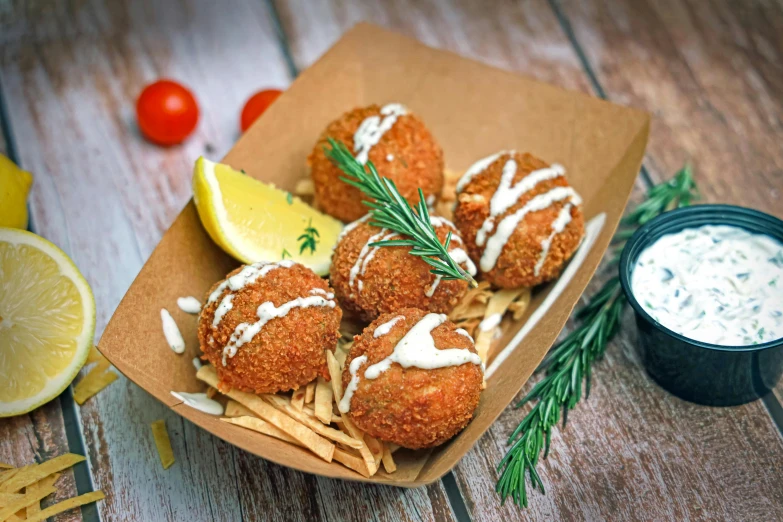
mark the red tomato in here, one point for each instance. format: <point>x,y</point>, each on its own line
<point>167,112</point>
<point>256,105</point>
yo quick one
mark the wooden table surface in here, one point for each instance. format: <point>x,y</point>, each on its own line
<point>711,73</point>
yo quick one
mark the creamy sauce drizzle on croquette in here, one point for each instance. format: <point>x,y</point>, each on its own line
<point>225,305</point>
<point>415,350</point>
<point>373,128</point>
<point>245,332</point>
<point>171,332</point>
<point>387,326</point>
<point>558,225</point>
<point>344,405</point>
<point>477,168</point>
<point>464,332</point>
<point>200,402</point>
<point>509,224</point>
<point>189,305</point>
<point>365,256</point>
<point>248,275</point>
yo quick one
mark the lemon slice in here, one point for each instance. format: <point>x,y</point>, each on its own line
<point>253,221</point>
<point>47,321</point>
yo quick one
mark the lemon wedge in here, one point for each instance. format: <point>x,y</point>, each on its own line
<point>254,221</point>
<point>14,187</point>
<point>47,321</point>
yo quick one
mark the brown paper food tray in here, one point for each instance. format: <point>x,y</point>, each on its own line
<point>473,110</point>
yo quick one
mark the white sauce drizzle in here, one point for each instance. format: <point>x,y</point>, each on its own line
<point>430,200</point>
<point>479,167</point>
<point>460,257</point>
<point>200,402</point>
<point>592,229</point>
<point>321,291</point>
<point>245,332</point>
<point>509,224</point>
<point>362,254</point>
<point>225,305</point>
<point>171,332</point>
<point>189,305</point>
<point>387,326</point>
<point>373,128</point>
<point>558,225</point>
<point>717,284</point>
<point>489,323</point>
<point>390,157</point>
<point>197,364</point>
<point>464,332</point>
<point>248,275</point>
<point>345,403</point>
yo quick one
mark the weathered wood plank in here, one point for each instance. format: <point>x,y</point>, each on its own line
<point>106,196</point>
<point>632,450</point>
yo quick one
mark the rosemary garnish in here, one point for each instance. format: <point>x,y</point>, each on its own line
<point>390,210</point>
<point>569,364</point>
<point>309,239</point>
<point>285,253</point>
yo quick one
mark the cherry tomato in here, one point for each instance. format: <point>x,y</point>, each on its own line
<point>256,105</point>
<point>167,112</point>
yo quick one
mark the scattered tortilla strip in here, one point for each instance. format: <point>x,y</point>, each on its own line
<point>496,307</point>
<point>364,451</point>
<point>473,304</point>
<point>311,412</point>
<point>409,464</point>
<point>298,398</point>
<point>349,460</point>
<point>94,356</point>
<point>521,303</point>
<point>323,400</point>
<point>211,392</point>
<point>234,409</point>
<point>163,443</point>
<point>469,325</point>
<point>7,498</point>
<point>3,465</point>
<point>26,500</point>
<point>341,355</point>
<point>35,507</point>
<point>330,433</point>
<point>34,473</point>
<point>310,393</point>
<point>6,475</point>
<point>314,442</point>
<point>256,424</point>
<point>96,379</point>
<point>304,187</point>
<point>388,460</point>
<point>376,448</point>
<point>65,505</point>
<point>335,372</point>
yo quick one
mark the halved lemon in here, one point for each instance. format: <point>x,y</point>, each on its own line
<point>47,321</point>
<point>253,221</point>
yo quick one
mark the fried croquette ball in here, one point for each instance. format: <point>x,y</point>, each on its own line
<point>520,219</point>
<point>370,281</point>
<point>266,326</point>
<point>412,378</point>
<point>398,144</point>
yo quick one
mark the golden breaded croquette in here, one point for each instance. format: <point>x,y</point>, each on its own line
<point>369,281</point>
<point>266,326</point>
<point>520,219</point>
<point>412,406</point>
<point>405,152</point>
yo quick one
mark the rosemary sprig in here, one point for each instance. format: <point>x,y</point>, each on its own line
<point>569,364</point>
<point>390,210</point>
<point>309,239</point>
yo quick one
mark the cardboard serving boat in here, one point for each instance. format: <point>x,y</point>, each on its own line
<point>473,110</point>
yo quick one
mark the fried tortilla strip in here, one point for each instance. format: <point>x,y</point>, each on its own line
<point>95,356</point>
<point>298,398</point>
<point>34,473</point>
<point>256,424</point>
<point>7,498</point>
<point>388,460</point>
<point>325,431</point>
<point>46,482</point>
<point>96,380</point>
<point>310,393</point>
<point>518,307</point>
<point>349,460</point>
<point>163,443</point>
<point>311,412</point>
<point>65,505</point>
<point>314,442</point>
<point>323,401</point>
<point>211,392</point>
<point>234,409</point>
<point>6,475</point>
<point>473,304</point>
<point>26,500</point>
<point>3,465</point>
<point>335,372</point>
<point>376,448</point>
<point>304,187</point>
<point>496,308</point>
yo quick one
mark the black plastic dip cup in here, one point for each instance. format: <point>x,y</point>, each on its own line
<point>693,370</point>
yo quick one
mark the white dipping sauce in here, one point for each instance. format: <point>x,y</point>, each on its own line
<point>717,284</point>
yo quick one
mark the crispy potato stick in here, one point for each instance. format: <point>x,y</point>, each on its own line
<point>26,500</point>
<point>298,398</point>
<point>314,442</point>
<point>388,460</point>
<point>330,433</point>
<point>96,379</point>
<point>234,409</point>
<point>163,443</point>
<point>256,424</point>
<point>304,187</point>
<point>310,393</point>
<point>496,307</point>
<point>323,400</point>
<point>349,460</point>
<point>521,303</point>
<point>65,505</point>
<point>36,472</point>
<point>337,388</point>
